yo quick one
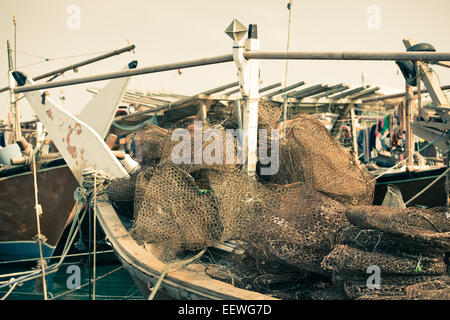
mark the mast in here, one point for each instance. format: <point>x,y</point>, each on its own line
<point>15,133</point>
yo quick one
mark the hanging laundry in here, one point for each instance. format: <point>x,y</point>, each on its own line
<point>385,124</point>
<point>372,137</point>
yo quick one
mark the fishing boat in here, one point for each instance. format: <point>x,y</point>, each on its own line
<point>421,186</point>
<point>17,208</point>
<point>142,263</point>
<point>412,182</point>
<point>86,150</point>
<point>55,184</point>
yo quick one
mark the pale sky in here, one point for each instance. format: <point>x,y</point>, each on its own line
<point>177,30</point>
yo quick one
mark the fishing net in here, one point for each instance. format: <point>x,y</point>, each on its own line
<point>172,211</point>
<point>345,259</point>
<point>152,144</point>
<point>309,154</point>
<point>269,113</point>
<point>393,198</point>
<point>121,193</point>
<point>378,241</point>
<point>397,288</point>
<point>425,225</point>
<point>299,232</point>
<point>240,200</point>
<point>294,228</point>
<point>436,289</point>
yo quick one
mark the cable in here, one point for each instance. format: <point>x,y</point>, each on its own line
<point>87,284</point>
<point>55,59</point>
<point>427,187</point>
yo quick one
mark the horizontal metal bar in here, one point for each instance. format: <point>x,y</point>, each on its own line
<point>293,86</point>
<point>363,93</point>
<point>128,73</point>
<point>333,89</point>
<point>348,92</point>
<point>311,92</point>
<point>349,55</point>
<point>270,87</point>
<point>398,95</point>
<point>221,88</point>
<point>302,91</point>
<point>80,64</point>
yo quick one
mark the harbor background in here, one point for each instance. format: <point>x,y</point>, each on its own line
<point>164,32</point>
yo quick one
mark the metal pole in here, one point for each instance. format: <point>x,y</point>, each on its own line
<point>15,41</point>
<point>79,64</point>
<point>83,63</point>
<point>129,73</point>
<point>419,94</point>
<point>239,114</point>
<point>408,133</point>
<point>349,55</point>
<point>95,236</point>
<point>286,69</point>
<point>295,85</point>
<point>38,210</point>
<point>428,56</point>
<point>12,101</point>
<point>354,141</point>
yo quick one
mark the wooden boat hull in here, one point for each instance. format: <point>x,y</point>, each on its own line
<point>410,183</point>
<point>56,185</point>
<point>145,268</point>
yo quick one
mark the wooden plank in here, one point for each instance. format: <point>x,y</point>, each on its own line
<point>332,90</point>
<point>292,94</point>
<point>363,93</point>
<point>286,89</point>
<point>321,89</point>
<point>348,93</point>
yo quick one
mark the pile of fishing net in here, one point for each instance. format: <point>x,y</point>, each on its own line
<point>309,154</point>
<point>295,229</point>
<point>269,114</point>
<point>408,246</point>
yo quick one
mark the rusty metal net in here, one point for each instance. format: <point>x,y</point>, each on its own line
<point>309,154</point>
<point>399,288</point>
<point>294,229</point>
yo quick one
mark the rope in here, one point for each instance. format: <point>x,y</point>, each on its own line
<point>87,283</point>
<point>54,257</point>
<point>81,200</point>
<point>286,67</point>
<point>81,197</point>
<point>95,235</point>
<point>170,266</point>
<point>9,291</point>
<point>53,59</point>
<point>39,237</point>
<point>427,187</point>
